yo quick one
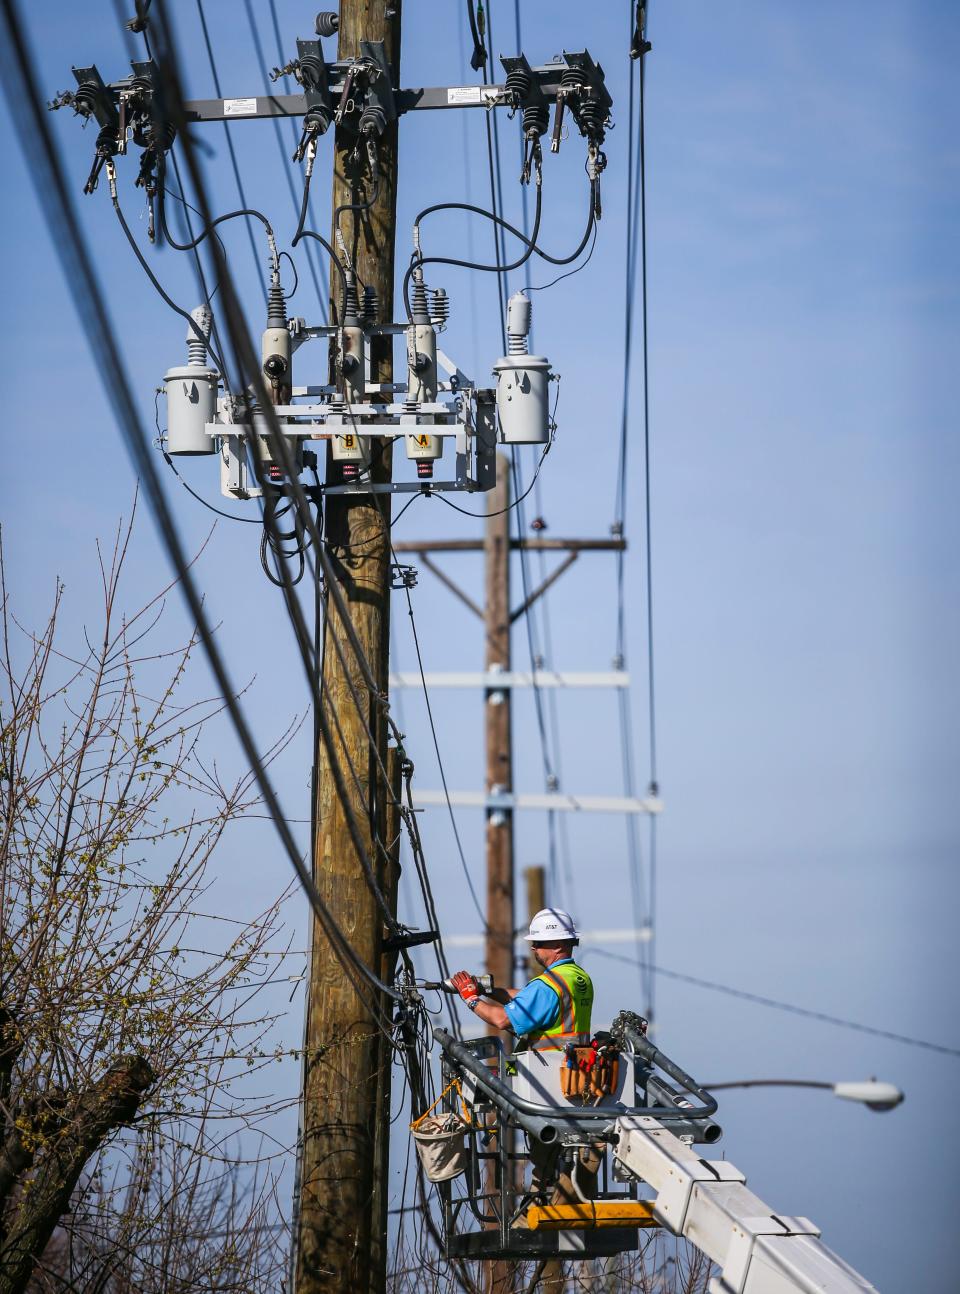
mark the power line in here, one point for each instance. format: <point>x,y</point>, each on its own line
<point>777,1005</point>
<point>443,775</point>
<point>233,156</point>
<point>241,345</point>
<point>644,905</point>
<point>258,48</point>
<point>26,106</point>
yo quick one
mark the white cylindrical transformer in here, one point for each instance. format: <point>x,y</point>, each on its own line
<point>422,446</point>
<point>191,404</point>
<point>523,399</point>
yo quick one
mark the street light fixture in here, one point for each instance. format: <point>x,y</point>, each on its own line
<point>871,1093</point>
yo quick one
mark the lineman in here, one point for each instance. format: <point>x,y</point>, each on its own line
<point>554,1008</point>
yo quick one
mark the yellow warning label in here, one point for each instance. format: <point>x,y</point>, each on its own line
<point>423,442</point>
<point>349,442</point>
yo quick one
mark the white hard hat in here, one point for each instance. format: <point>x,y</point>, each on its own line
<point>552,923</point>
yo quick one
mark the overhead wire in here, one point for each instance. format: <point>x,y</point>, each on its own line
<point>230,148</point>
<point>261,60</point>
<point>158,287</point>
<point>643,887</point>
<point>558,837</point>
<point>300,635</point>
<point>551,780</point>
<point>778,1005</point>
<point>498,267</point>
<point>443,776</point>
<point>128,30</point>
<point>277,539</point>
<point>499,511</point>
<point>27,107</point>
<point>241,344</point>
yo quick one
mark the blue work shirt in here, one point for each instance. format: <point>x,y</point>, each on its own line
<point>536,1007</point>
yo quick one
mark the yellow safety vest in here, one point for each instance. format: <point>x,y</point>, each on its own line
<point>574,989</point>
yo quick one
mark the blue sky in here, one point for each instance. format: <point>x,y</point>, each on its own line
<point>802,185</point>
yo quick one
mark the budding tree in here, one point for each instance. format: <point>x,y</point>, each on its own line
<point>129,1015</point>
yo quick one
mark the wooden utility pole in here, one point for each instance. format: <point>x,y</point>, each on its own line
<point>344,1095</point>
<point>499,1276</point>
<point>496,555</point>
<point>536,879</point>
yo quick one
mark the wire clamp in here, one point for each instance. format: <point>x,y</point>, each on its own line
<point>402,577</point>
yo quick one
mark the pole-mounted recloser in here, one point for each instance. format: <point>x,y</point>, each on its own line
<point>340,1245</point>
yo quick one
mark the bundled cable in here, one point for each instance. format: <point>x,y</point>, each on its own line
<point>530,243</point>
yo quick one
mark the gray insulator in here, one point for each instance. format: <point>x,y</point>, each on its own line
<point>351,306</point>
<point>439,308</point>
<point>276,307</point>
<point>202,316</point>
<point>592,120</point>
<point>371,305</point>
<point>328,22</point>
<point>517,86</point>
<point>421,314</point>
<point>536,119</point>
<point>373,120</point>
<point>518,323</point>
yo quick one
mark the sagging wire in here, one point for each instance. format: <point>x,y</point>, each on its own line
<point>551,779</point>
<point>516,502</point>
<point>273,539</point>
<point>636,226</point>
<point>229,516</point>
<point>241,343</point>
<point>321,295</point>
<point>296,619</point>
<point>161,292</point>
<point>227,136</point>
<point>533,248</point>
<point>355,207</point>
<point>26,106</point>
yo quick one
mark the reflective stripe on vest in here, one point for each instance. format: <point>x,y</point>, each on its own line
<point>574,988</point>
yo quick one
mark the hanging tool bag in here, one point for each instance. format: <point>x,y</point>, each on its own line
<point>440,1139</point>
<point>588,1074</point>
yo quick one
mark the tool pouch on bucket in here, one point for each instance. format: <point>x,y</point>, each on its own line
<point>589,1074</point>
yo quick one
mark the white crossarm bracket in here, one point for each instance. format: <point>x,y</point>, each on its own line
<point>707,1202</point>
<point>550,801</point>
<point>496,681</point>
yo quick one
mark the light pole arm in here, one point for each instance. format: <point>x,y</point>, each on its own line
<point>871,1093</point>
<point>768,1082</point>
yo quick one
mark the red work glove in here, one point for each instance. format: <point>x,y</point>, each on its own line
<point>468,988</point>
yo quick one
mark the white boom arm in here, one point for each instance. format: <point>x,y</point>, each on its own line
<point>707,1202</point>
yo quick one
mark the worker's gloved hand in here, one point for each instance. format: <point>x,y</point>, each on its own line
<point>468,988</point>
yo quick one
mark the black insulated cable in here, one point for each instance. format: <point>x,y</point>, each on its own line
<point>533,248</point>
<point>26,106</point>
<point>479,56</point>
<point>209,228</point>
<point>229,139</point>
<point>184,314</point>
<point>248,365</point>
